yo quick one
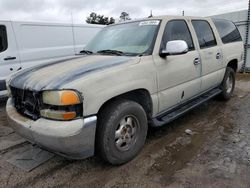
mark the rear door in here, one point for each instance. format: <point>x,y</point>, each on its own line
<point>9,57</point>
<point>210,53</point>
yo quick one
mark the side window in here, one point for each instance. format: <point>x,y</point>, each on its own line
<point>228,31</point>
<point>204,33</point>
<point>3,38</point>
<point>177,30</point>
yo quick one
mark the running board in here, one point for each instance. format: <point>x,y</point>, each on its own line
<point>181,110</point>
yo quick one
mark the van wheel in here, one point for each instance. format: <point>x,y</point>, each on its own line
<point>228,84</point>
<point>121,131</point>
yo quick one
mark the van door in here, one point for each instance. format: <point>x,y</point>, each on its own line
<point>9,57</point>
<point>211,55</point>
<point>179,76</point>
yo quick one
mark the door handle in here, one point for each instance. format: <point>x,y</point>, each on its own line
<point>197,61</point>
<point>9,58</point>
<point>218,56</point>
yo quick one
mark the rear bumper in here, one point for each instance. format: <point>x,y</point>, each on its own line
<point>72,139</point>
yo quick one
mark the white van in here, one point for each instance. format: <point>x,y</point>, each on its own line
<point>26,44</point>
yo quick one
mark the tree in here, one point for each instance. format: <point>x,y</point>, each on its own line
<point>112,20</point>
<point>124,17</point>
<point>99,19</point>
<point>92,18</point>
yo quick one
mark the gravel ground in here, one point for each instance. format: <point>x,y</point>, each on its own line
<point>217,154</point>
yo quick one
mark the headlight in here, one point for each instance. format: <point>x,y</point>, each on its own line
<point>61,98</point>
<point>61,105</point>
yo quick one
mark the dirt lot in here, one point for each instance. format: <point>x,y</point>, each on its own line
<point>216,155</point>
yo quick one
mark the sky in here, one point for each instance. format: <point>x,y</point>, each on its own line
<point>60,10</point>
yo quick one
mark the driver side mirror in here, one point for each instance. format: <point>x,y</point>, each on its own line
<point>175,47</point>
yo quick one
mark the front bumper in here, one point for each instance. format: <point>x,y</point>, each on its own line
<point>73,139</point>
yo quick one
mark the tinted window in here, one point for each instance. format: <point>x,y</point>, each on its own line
<point>177,30</point>
<point>204,33</point>
<point>3,38</point>
<point>228,31</point>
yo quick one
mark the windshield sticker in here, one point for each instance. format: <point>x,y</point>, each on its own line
<point>151,22</point>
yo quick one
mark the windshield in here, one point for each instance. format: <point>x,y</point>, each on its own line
<point>128,38</point>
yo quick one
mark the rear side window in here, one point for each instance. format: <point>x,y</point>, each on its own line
<point>204,33</point>
<point>177,30</point>
<point>3,38</point>
<point>228,31</point>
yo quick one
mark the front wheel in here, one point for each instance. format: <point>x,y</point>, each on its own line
<point>121,131</point>
<point>228,84</point>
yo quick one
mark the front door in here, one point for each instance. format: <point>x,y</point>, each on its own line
<point>179,76</point>
<point>9,57</point>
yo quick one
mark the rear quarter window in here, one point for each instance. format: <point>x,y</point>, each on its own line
<point>3,38</point>
<point>228,31</point>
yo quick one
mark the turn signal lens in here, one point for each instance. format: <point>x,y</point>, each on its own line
<point>58,115</point>
<point>61,98</point>
<point>69,115</point>
<point>69,98</point>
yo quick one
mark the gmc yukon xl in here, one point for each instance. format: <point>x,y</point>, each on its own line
<point>131,75</point>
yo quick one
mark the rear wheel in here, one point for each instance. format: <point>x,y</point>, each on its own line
<point>121,132</point>
<point>228,84</point>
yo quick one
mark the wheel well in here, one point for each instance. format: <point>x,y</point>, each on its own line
<point>141,96</point>
<point>233,64</point>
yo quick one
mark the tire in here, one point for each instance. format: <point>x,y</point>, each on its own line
<point>228,84</point>
<point>121,131</point>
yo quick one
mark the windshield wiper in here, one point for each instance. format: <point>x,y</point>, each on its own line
<point>86,52</point>
<point>115,52</point>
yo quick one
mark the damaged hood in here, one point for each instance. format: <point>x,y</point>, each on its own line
<point>56,74</point>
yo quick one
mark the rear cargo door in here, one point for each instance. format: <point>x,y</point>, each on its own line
<point>9,56</point>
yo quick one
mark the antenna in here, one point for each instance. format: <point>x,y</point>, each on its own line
<point>151,14</point>
<point>73,31</point>
<point>71,16</point>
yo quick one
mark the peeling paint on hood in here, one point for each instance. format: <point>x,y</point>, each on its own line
<point>55,75</point>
